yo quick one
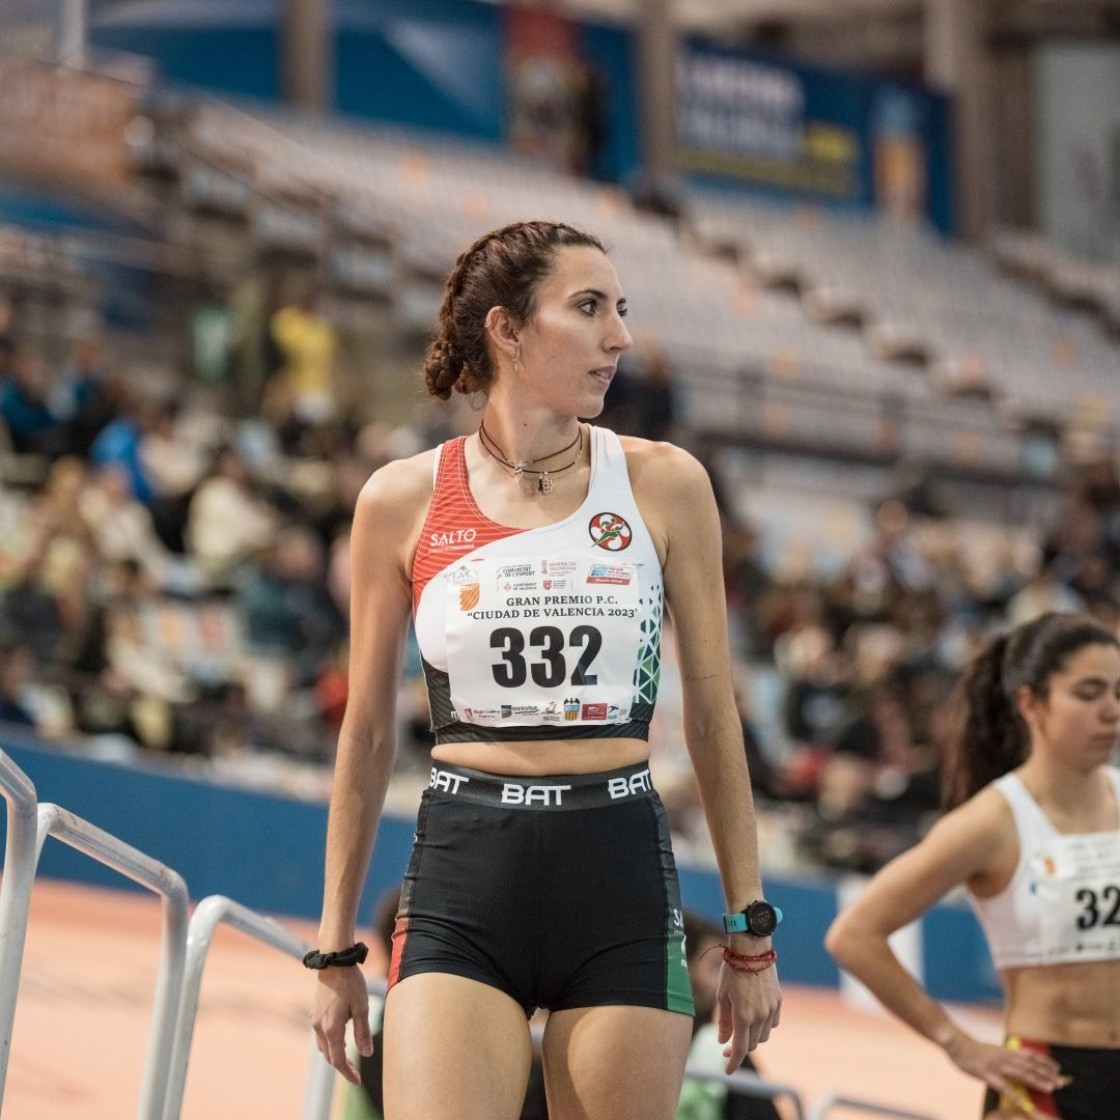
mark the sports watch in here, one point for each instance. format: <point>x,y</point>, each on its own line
<point>759,919</point>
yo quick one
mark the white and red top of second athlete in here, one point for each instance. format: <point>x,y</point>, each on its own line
<point>553,632</point>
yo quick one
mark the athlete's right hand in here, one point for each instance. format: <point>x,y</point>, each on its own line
<point>341,995</point>
<point>1007,1071</point>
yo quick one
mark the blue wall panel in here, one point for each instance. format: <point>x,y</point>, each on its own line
<point>238,61</point>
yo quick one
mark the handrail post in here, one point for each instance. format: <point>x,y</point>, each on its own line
<point>21,856</point>
<point>134,864</point>
<point>208,915</point>
<point>830,1101</point>
<point>747,1084</point>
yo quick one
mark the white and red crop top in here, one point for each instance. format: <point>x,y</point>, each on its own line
<point>1063,902</point>
<point>546,633</point>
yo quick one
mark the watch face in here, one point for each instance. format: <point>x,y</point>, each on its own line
<point>762,919</point>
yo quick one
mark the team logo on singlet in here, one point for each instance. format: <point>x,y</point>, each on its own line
<point>610,531</point>
<point>462,540</point>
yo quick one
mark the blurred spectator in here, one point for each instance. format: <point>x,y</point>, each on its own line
<point>85,397</point>
<point>119,443</point>
<point>301,394</point>
<point>1044,592</point>
<point>24,406</point>
<point>284,601</point>
<point>17,666</point>
<point>227,522</point>
<point>815,674</point>
<point>122,526</point>
<point>29,613</point>
<point>889,564</point>
<point>141,685</point>
<point>655,410</point>
<point>748,582</point>
<point>46,568</point>
<point>175,454</point>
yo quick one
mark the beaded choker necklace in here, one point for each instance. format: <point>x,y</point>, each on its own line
<point>525,466</point>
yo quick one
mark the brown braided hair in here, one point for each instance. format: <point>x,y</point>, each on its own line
<point>501,269</point>
<point>993,738</point>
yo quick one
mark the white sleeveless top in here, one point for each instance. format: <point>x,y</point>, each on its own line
<point>553,632</point>
<point>1063,902</point>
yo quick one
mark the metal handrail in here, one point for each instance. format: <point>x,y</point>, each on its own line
<point>829,1101</point>
<point>211,912</point>
<point>21,856</point>
<point>162,880</point>
<point>748,1084</point>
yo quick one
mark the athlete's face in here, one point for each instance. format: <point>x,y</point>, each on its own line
<point>570,347</point>
<point>1079,718</point>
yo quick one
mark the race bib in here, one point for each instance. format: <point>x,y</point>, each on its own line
<point>543,640</point>
<point>1078,884</point>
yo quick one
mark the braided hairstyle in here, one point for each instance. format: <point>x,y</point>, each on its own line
<point>501,269</point>
<point>992,737</point>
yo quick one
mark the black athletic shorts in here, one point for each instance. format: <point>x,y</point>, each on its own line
<point>1092,1091</point>
<point>560,891</point>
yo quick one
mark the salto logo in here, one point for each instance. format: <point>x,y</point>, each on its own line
<point>453,538</point>
<point>513,794</point>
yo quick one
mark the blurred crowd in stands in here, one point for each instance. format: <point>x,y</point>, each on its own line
<point>174,581</point>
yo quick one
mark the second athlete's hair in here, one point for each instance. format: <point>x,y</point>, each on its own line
<point>993,737</point>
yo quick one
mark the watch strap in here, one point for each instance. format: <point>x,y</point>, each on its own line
<point>737,922</point>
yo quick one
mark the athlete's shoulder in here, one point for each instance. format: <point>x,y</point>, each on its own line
<point>978,833</point>
<point>397,489</point>
<point>656,464</point>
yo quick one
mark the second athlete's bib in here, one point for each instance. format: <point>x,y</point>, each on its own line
<point>1078,887</point>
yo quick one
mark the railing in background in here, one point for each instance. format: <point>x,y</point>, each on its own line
<point>211,912</point>
<point>20,859</point>
<point>750,1085</point>
<point>834,1100</point>
<point>29,825</point>
<point>169,884</point>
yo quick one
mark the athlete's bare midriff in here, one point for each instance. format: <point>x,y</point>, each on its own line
<point>1072,1004</point>
<point>541,757</point>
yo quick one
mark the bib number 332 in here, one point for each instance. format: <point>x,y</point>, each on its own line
<point>541,640</point>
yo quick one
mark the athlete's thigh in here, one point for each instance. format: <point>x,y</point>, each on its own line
<point>455,1049</point>
<point>615,1062</point>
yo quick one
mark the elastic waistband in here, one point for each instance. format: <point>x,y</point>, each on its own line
<point>568,791</point>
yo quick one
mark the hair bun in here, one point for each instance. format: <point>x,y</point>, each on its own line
<point>443,364</point>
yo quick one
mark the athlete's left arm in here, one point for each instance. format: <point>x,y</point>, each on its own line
<point>678,505</point>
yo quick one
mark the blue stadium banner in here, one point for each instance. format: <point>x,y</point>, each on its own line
<point>819,135</point>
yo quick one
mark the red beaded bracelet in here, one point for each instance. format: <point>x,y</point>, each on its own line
<point>742,962</point>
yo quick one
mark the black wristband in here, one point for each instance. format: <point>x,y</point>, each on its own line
<point>356,954</point>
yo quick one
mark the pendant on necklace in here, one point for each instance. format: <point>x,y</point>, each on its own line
<point>520,468</point>
<point>544,483</point>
